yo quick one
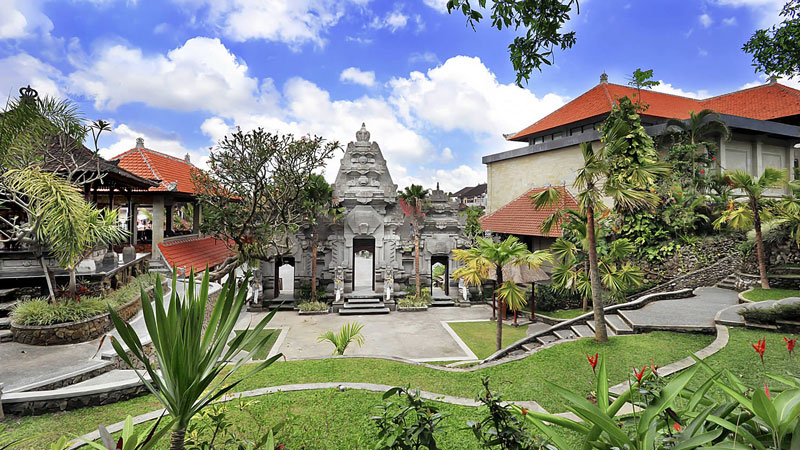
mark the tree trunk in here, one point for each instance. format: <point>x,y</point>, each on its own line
<point>762,260</point>
<point>48,279</point>
<point>501,305</point>
<point>176,441</point>
<point>600,333</point>
<point>314,265</point>
<point>585,298</point>
<point>416,259</point>
<point>533,301</point>
<point>73,283</point>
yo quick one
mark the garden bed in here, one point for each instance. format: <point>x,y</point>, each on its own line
<point>36,322</point>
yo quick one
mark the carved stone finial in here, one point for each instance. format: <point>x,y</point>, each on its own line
<point>362,135</point>
<point>139,142</point>
<point>604,78</point>
<point>28,93</point>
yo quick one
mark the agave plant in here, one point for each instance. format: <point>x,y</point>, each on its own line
<point>351,331</point>
<point>193,365</point>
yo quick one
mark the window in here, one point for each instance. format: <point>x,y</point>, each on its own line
<point>576,130</point>
<point>558,135</point>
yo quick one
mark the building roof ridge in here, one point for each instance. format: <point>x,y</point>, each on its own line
<point>174,158</point>
<point>150,166</point>
<point>751,88</point>
<point>513,135</point>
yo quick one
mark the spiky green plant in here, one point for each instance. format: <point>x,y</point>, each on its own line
<point>193,365</point>
<point>351,331</point>
<point>412,200</point>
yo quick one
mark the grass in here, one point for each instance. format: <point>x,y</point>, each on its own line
<point>274,333</point>
<point>520,380</point>
<point>565,313</point>
<point>39,311</point>
<point>759,295</point>
<point>480,337</point>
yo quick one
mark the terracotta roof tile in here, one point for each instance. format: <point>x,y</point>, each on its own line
<point>521,218</point>
<point>158,166</point>
<point>766,102</point>
<point>194,252</point>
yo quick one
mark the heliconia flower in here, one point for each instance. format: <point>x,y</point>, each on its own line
<point>760,347</point>
<point>592,361</point>
<point>639,374</point>
<point>790,344</point>
<point>677,427</point>
<point>524,411</point>
<point>653,367</point>
<point>766,391</point>
<point>702,171</point>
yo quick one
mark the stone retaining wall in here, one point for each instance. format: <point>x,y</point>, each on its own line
<point>745,281</point>
<point>691,258</point>
<point>45,403</point>
<point>708,276</point>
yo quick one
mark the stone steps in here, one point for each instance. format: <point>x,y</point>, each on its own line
<point>362,311</point>
<point>530,346</point>
<point>609,331</point>
<point>728,283</point>
<point>5,323</point>
<point>371,305</point>
<point>442,302</point>
<point>5,336</point>
<point>618,325</point>
<point>547,338</point>
<point>565,334</point>
<point>362,304</point>
<point>6,308</point>
<point>582,331</point>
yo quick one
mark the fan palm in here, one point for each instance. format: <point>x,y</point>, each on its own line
<point>750,214</point>
<point>411,200</point>
<point>351,331</point>
<point>487,256</point>
<point>193,364</point>
<point>320,205</point>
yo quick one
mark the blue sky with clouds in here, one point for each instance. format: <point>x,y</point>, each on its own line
<point>435,94</point>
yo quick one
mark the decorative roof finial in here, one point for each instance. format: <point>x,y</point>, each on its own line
<point>139,142</point>
<point>437,186</point>
<point>28,93</point>
<point>773,79</point>
<point>362,135</point>
<point>604,78</point>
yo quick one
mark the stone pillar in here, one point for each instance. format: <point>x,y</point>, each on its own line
<point>158,224</point>
<point>196,217</point>
<point>168,213</point>
<point>759,163</point>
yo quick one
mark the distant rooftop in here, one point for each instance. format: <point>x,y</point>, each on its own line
<point>173,174</point>
<point>521,218</point>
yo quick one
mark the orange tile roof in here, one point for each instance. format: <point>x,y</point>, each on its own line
<point>158,166</point>
<point>194,252</point>
<point>769,101</point>
<point>521,218</point>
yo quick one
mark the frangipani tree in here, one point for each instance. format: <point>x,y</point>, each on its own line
<point>488,256</point>
<point>749,215</point>
<point>411,201</point>
<point>320,205</point>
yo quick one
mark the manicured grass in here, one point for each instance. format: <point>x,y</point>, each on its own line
<point>481,337</point>
<point>760,295</point>
<point>564,313</point>
<point>273,336</point>
<point>564,364</point>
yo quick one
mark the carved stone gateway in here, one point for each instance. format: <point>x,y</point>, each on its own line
<point>375,222</point>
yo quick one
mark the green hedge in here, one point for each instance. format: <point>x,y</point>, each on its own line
<point>39,311</point>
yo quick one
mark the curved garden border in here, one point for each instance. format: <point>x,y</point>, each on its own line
<point>75,332</point>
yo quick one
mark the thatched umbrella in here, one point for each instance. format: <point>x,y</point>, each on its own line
<point>522,274</point>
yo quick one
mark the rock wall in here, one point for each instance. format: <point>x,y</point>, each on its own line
<point>691,258</point>
<point>707,276</point>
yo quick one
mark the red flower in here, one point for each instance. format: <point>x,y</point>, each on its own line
<point>790,344</point>
<point>702,171</point>
<point>713,159</point>
<point>592,361</point>
<point>524,411</point>
<point>766,391</point>
<point>677,427</point>
<point>653,367</point>
<point>760,347</point>
<point>639,374</point>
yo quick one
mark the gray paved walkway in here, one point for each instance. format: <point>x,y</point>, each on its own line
<point>693,313</point>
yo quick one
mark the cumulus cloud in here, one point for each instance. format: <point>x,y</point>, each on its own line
<point>668,88</point>
<point>200,75</point>
<point>447,154</point>
<point>392,21</point>
<point>766,11</point>
<point>124,139</point>
<point>22,19</point>
<point>705,20</point>
<point>729,21</point>
<point>23,69</point>
<point>438,5</point>
<point>357,76</point>
<point>294,22</point>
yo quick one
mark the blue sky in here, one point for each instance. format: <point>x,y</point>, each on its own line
<point>435,94</point>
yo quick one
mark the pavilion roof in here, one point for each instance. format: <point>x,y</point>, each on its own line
<point>172,174</point>
<point>195,253</point>
<point>520,217</point>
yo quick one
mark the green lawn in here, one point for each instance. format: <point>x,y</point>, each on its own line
<point>564,313</point>
<point>526,379</point>
<point>481,337</point>
<point>760,295</point>
<point>273,336</point>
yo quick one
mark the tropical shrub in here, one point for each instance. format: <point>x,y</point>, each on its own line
<point>313,306</point>
<point>351,331</point>
<point>769,316</point>
<point>548,298</point>
<point>412,302</point>
<point>408,423</point>
<point>128,439</point>
<point>214,429</point>
<point>305,293</point>
<point>502,427</point>
<point>40,311</point>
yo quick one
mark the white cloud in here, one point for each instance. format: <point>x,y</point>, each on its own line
<point>729,21</point>
<point>454,179</point>
<point>667,88</point>
<point>766,11</point>
<point>705,20</point>
<point>702,52</point>
<point>392,21</point>
<point>426,57</point>
<point>23,69</point>
<point>357,76</point>
<point>763,79</point>
<point>464,94</point>
<point>438,5</point>
<point>294,22</point>
<point>22,19</point>
<point>200,75</point>
<point>447,154</point>
<point>124,139</point>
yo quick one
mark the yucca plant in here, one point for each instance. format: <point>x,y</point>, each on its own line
<point>351,331</point>
<point>193,365</point>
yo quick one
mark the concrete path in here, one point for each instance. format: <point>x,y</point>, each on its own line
<point>690,314</point>
<point>419,336</point>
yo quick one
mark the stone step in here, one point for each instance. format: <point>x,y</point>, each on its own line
<point>7,293</point>
<point>5,323</point>
<point>374,305</point>
<point>582,331</point>
<point>354,311</point>
<point>609,331</point>
<point>618,325</point>
<point>364,300</point>
<point>547,338</point>
<point>437,302</point>
<point>565,334</point>
<point>362,294</point>
<point>5,336</point>
<point>530,346</point>
<point>6,308</point>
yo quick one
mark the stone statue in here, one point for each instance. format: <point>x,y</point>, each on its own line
<point>338,282</point>
<point>463,289</point>
<point>255,286</point>
<point>388,282</point>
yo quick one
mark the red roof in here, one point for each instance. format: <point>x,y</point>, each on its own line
<point>520,217</point>
<point>194,252</point>
<point>766,102</point>
<point>158,166</point>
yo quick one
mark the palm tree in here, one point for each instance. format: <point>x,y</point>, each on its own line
<point>489,256</point>
<point>749,215</point>
<point>193,364</point>
<point>411,200</point>
<point>320,205</point>
<point>698,132</point>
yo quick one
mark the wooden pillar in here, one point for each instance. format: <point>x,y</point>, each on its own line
<point>158,224</point>
<point>132,213</point>
<point>196,217</point>
<point>168,213</point>
<point>111,197</point>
